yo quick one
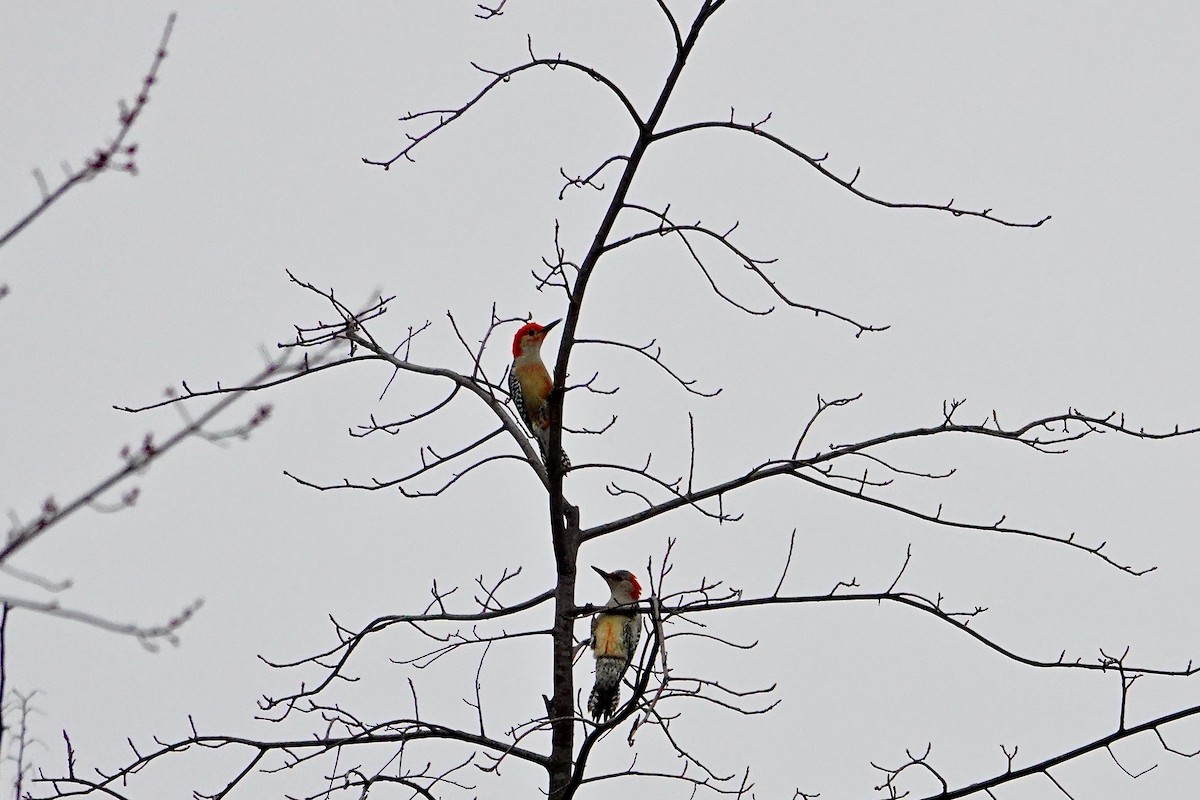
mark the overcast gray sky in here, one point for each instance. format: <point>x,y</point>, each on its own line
<point>249,156</point>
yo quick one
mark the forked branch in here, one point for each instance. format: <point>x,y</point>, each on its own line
<point>1048,434</point>
<point>756,265</point>
<point>445,116</point>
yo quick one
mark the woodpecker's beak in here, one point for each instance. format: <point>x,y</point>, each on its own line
<point>546,328</point>
<point>603,574</point>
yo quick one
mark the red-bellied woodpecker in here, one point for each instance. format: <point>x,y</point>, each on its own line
<point>615,637</point>
<point>530,384</point>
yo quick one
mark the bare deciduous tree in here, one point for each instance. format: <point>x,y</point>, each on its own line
<point>355,749</point>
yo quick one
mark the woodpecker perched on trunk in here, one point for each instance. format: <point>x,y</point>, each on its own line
<point>530,384</point>
<point>615,637</point>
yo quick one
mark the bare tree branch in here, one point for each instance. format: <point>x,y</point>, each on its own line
<point>391,732</point>
<point>656,357</point>
<point>351,640</point>
<point>137,461</point>
<point>147,636</point>
<point>1042,435</point>
<point>756,129</point>
<point>755,265</point>
<point>116,155</point>
<point>1043,766</point>
<point>927,606</point>
<point>448,115</point>
<point>486,13</point>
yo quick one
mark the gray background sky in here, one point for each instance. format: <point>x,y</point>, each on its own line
<point>249,157</point>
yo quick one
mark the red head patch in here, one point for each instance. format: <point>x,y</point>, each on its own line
<point>528,328</point>
<point>636,591</point>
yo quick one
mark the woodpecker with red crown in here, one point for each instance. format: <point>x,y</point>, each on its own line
<point>530,384</point>
<point>615,635</point>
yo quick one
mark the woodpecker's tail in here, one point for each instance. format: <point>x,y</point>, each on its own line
<point>544,445</point>
<point>606,694</point>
